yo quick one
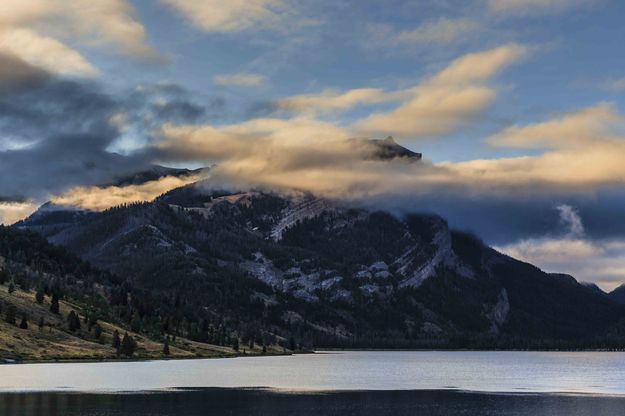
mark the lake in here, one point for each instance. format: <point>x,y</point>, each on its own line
<point>371,382</point>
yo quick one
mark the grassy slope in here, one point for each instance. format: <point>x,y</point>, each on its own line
<point>56,342</point>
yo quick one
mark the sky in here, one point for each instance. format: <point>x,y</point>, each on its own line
<point>517,106</point>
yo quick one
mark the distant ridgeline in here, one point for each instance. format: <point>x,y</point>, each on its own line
<point>294,272</point>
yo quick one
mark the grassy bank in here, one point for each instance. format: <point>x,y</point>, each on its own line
<point>55,342</point>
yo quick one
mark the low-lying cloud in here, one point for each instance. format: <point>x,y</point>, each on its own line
<point>572,252</point>
<point>97,198</point>
<point>11,212</point>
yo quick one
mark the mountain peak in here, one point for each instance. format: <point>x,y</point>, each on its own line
<point>388,148</point>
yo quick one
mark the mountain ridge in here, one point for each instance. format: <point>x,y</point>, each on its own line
<point>330,274</point>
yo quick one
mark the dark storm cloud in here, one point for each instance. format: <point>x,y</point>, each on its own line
<point>54,108</point>
<point>59,162</point>
<point>12,199</point>
<point>179,110</point>
<point>500,221</point>
<point>16,74</point>
<point>158,103</point>
<point>56,133</point>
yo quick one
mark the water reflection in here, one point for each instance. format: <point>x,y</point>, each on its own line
<point>264,402</point>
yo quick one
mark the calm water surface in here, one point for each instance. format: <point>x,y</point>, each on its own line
<point>540,372</point>
<point>242,402</point>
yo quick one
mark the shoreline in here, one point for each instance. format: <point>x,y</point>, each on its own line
<point>314,392</point>
<point>3,361</point>
<point>139,359</point>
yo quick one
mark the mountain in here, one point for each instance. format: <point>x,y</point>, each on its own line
<point>618,294</point>
<point>321,273</point>
<point>55,215</point>
<point>594,287</point>
<point>33,273</point>
<point>389,149</point>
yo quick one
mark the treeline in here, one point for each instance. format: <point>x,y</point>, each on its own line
<point>163,311</point>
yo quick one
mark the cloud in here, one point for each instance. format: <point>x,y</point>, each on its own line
<point>233,143</point>
<point>105,23</point>
<point>571,130</point>
<point>11,212</point>
<point>17,74</point>
<point>571,220</point>
<point>96,198</point>
<point>239,80</point>
<point>441,31</point>
<point>54,107</point>
<point>597,261</point>
<point>54,152</point>
<point>582,150</point>
<point>45,52</point>
<point>218,16</point>
<point>59,133</point>
<point>615,85</point>
<point>307,153</point>
<point>534,6</point>
<point>331,100</point>
<point>299,153</point>
<point>564,171</point>
<point>448,100</point>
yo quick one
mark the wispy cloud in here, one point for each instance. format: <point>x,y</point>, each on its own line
<point>615,85</point>
<point>571,252</point>
<point>453,97</point>
<point>333,100</point>
<point>239,80</point>
<point>229,16</point>
<point>45,52</point>
<point>581,150</point>
<point>579,128</point>
<point>102,23</point>
<point>440,31</point>
<point>533,7</point>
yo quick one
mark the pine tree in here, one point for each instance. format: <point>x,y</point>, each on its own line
<point>4,276</point>
<point>116,341</point>
<point>54,304</point>
<point>24,284</point>
<point>166,346</point>
<point>97,331</point>
<point>39,296</point>
<point>292,344</point>
<point>24,323</point>
<point>91,320</point>
<point>135,323</point>
<point>128,345</point>
<point>73,321</point>
<point>11,287</point>
<point>235,343</point>
<point>10,316</point>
